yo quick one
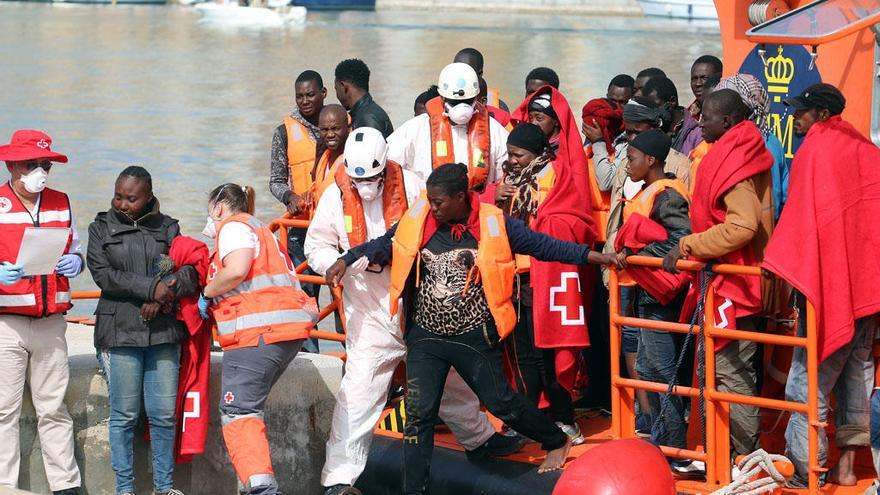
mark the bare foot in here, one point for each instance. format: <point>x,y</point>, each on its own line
<point>555,458</point>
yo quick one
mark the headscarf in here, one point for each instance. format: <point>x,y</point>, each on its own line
<point>528,137</point>
<point>541,103</point>
<point>635,111</point>
<point>609,115</point>
<point>523,205</point>
<point>753,94</point>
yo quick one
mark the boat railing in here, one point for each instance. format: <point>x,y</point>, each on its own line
<point>716,451</point>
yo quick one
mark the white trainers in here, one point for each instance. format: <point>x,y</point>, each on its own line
<point>573,432</point>
<point>685,468</point>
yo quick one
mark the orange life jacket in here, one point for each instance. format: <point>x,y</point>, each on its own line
<point>325,174</point>
<point>478,141</point>
<point>300,155</point>
<point>696,157</point>
<point>546,179</point>
<point>601,200</point>
<point>268,303</point>
<point>494,260</point>
<point>40,295</point>
<point>394,202</point>
<point>493,97</point>
<point>643,203</point>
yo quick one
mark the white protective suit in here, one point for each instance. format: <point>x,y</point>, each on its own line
<point>374,345</point>
<point>410,146</point>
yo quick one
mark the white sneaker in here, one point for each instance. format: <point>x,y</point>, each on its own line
<point>573,432</point>
<point>687,468</point>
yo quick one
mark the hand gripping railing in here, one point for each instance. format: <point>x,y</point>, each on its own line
<point>716,454</point>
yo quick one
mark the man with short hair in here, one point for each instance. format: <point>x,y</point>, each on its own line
<point>333,123</point>
<point>457,128</point>
<point>690,134</point>
<point>540,76</point>
<point>33,348</point>
<point>473,57</point>
<point>423,98</point>
<point>662,91</point>
<point>620,89</point>
<point>353,92</point>
<point>642,78</point>
<point>294,149</point>
<point>732,220</point>
<point>826,246</point>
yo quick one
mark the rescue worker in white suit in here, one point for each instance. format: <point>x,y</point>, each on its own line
<point>456,128</point>
<point>369,196</point>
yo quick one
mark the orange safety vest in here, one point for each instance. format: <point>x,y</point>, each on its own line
<point>300,155</point>
<point>325,174</point>
<point>546,180</point>
<point>601,200</point>
<point>268,303</point>
<point>643,203</point>
<point>696,157</point>
<point>478,141</point>
<point>394,202</point>
<point>494,260</point>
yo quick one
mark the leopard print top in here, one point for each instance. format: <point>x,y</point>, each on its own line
<point>440,307</point>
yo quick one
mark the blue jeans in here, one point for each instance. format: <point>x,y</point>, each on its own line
<point>875,430</point>
<point>629,340</point>
<point>148,373</point>
<point>848,373</point>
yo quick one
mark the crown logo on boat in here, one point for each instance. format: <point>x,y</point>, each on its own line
<point>779,72</point>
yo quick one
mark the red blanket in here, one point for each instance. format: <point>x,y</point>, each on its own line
<point>562,293</point>
<point>498,114</point>
<point>636,233</point>
<point>195,362</point>
<point>827,241</point>
<point>738,155</point>
<point>608,115</point>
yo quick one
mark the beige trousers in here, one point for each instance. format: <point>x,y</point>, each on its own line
<point>35,350</point>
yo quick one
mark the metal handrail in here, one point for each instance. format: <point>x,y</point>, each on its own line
<point>716,452</point>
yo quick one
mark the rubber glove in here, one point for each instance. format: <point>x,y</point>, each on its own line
<point>9,273</point>
<point>69,265</point>
<point>360,265</point>
<point>204,304</point>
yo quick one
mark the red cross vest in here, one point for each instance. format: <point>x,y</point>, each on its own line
<point>40,295</point>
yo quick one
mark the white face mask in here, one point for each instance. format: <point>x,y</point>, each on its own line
<point>35,181</point>
<point>369,191</point>
<point>460,114</point>
<point>210,230</point>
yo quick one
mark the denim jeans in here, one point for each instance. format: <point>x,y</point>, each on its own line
<point>848,373</point>
<point>149,374</point>
<point>476,355</point>
<point>657,355</point>
<point>875,431</point>
<point>629,338</point>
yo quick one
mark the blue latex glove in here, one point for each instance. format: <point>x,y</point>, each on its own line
<point>9,273</point>
<point>69,265</point>
<point>204,304</point>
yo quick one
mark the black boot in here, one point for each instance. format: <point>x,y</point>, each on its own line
<point>67,491</point>
<point>498,445</point>
<point>341,490</point>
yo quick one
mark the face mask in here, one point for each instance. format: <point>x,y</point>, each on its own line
<point>35,181</point>
<point>368,191</point>
<point>210,230</point>
<point>460,114</point>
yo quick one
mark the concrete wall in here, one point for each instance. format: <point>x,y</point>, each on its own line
<point>297,415</point>
<point>597,7</point>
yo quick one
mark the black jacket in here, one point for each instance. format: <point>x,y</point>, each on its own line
<point>368,113</point>
<point>122,257</point>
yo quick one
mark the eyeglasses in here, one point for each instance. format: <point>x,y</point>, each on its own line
<point>34,164</point>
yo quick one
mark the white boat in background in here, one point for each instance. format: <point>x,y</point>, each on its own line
<point>680,9</point>
<point>234,15</point>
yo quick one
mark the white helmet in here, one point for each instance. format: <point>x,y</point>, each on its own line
<point>458,81</point>
<point>365,151</point>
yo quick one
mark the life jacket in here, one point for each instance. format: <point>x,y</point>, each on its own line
<point>643,204</point>
<point>394,202</point>
<point>696,156</point>
<point>40,295</point>
<point>493,97</point>
<point>601,200</point>
<point>495,262</point>
<point>300,155</point>
<point>325,174</point>
<point>268,303</point>
<point>546,179</point>
<point>478,141</point>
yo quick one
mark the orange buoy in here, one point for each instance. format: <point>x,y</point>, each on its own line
<point>619,467</point>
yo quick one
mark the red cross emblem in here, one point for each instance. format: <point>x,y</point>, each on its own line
<point>566,307</point>
<point>42,143</point>
<point>228,397</point>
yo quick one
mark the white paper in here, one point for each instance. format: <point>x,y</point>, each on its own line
<point>41,249</point>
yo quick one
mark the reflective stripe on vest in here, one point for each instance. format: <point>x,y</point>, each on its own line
<point>18,300</point>
<point>643,202</point>
<point>258,283</point>
<point>442,150</point>
<point>257,320</point>
<point>394,202</point>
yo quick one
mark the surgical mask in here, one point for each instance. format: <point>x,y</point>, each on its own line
<point>369,191</point>
<point>460,114</point>
<point>35,181</point>
<point>210,230</point>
